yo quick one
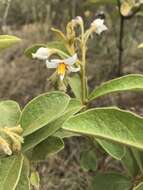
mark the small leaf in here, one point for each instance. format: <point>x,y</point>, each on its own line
<point>117,151</point>
<point>112,181</point>
<point>139,186</point>
<point>42,110</point>
<point>50,146</point>
<point>9,113</point>
<point>24,183</point>
<point>75,85</point>
<point>109,123</point>
<point>35,138</point>
<point>88,160</point>
<point>7,41</point>
<point>132,82</point>
<point>35,180</point>
<point>10,170</point>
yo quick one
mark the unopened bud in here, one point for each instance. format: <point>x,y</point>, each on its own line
<point>4,146</point>
<point>77,21</point>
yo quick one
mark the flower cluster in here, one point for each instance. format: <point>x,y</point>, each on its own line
<point>10,139</point>
<point>64,66</point>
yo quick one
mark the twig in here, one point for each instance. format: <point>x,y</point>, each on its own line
<point>120,45</point>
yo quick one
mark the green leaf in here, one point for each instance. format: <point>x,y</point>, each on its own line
<point>137,156</point>
<point>35,138</point>
<point>7,41</point>
<point>50,146</point>
<point>88,160</point>
<point>112,181</point>
<point>10,170</point>
<point>117,151</point>
<point>109,123</point>
<point>43,110</point>
<point>139,186</point>
<point>58,45</point>
<point>24,183</point>
<point>129,163</point>
<point>35,180</point>
<point>75,85</point>
<point>130,82</point>
<point>9,113</point>
<point>61,133</point>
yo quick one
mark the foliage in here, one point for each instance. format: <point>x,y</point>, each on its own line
<point>38,130</point>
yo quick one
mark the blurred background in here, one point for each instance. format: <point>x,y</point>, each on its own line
<point>113,54</point>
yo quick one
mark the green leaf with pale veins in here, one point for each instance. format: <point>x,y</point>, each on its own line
<point>35,138</point>
<point>111,181</point>
<point>10,171</point>
<point>9,113</point>
<point>132,82</point>
<point>115,150</point>
<point>50,146</point>
<point>109,123</point>
<point>7,41</point>
<point>43,110</point>
<point>24,183</point>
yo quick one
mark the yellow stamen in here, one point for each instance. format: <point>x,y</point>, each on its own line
<point>61,69</point>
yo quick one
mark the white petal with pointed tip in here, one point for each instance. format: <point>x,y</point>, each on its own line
<point>53,63</point>
<point>71,60</point>
<point>73,69</point>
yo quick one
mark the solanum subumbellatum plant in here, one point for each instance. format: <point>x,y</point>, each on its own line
<point>39,129</point>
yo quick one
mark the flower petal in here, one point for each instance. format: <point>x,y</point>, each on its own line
<point>42,53</point>
<point>52,64</point>
<point>71,60</point>
<point>98,26</point>
<point>73,69</point>
<point>101,29</point>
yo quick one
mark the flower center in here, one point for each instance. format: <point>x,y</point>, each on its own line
<point>61,69</point>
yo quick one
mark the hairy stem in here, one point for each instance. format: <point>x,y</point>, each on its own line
<point>83,69</point>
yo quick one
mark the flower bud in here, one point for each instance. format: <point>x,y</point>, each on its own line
<point>77,21</point>
<point>4,146</point>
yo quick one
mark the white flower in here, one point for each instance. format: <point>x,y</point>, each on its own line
<point>42,53</point>
<point>63,65</point>
<point>98,26</point>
